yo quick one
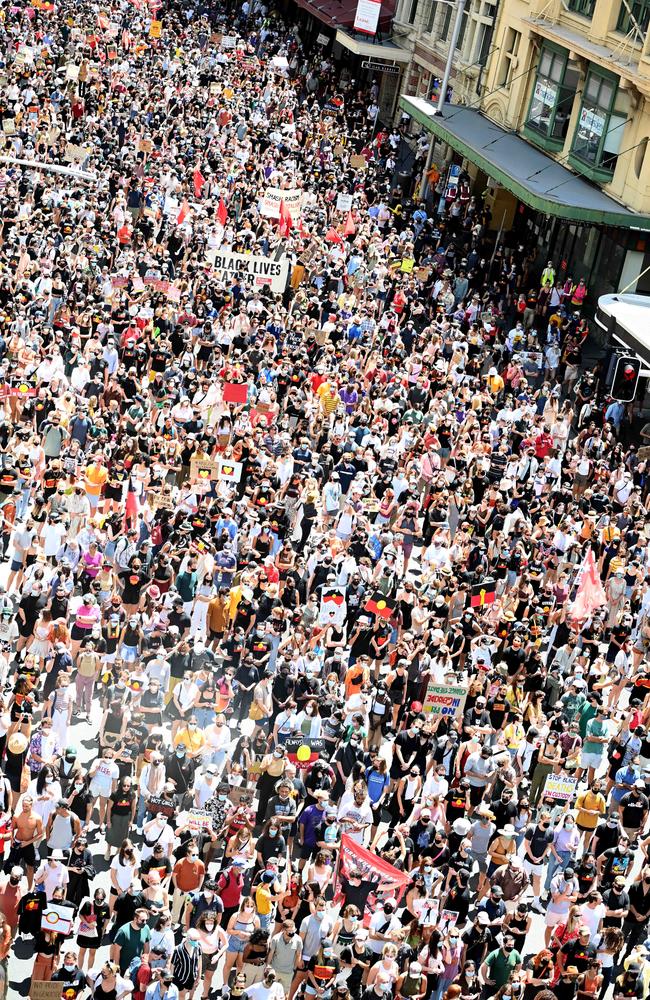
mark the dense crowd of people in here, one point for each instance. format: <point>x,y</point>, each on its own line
<point>325,603</point>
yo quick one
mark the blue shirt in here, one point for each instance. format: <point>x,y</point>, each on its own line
<point>376,783</point>
<point>628,775</point>
<point>310,820</point>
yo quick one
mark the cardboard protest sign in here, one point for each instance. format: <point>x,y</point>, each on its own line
<point>230,471</point>
<point>258,270</point>
<point>445,699</point>
<point>333,606</point>
<point>273,197</point>
<point>203,469</point>
<point>303,750</point>
<point>560,786</point>
<point>57,918</point>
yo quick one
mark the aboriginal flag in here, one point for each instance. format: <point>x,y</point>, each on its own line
<point>380,605</point>
<point>483,593</point>
<point>303,751</point>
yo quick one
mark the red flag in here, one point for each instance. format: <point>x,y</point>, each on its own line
<point>354,857</point>
<point>235,392</point>
<point>222,214</point>
<point>182,214</point>
<point>285,221</point>
<point>350,228</point>
<point>301,229</point>
<point>591,593</point>
<point>199,181</point>
<point>332,236</point>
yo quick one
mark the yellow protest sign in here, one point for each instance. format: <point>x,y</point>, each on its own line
<point>155,29</point>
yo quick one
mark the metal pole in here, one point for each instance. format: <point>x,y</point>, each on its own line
<point>442,96</point>
<point>460,10</point>
<point>55,168</point>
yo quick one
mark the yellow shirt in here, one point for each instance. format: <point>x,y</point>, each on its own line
<point>192,738</point>
<point>263,900</point>
<point>589,800</point>
<point>495,383</point>
<point>96,476</point>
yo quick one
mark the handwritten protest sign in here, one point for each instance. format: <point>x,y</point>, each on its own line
<point>445,699</point>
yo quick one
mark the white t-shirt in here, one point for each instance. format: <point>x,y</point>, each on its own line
<point>102,781</point>
<point>258,991</point>
<point>123,873</point>
<point>592,917</point>
<point>52,876</point>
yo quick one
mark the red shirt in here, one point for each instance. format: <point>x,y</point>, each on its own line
<point>543,445</point>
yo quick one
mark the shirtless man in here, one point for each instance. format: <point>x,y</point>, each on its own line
<point>26,831</point>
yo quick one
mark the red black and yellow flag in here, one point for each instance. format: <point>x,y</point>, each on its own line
<point>380,605</point>
<point>483,593</point>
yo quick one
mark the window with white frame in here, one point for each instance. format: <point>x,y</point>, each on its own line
<point>509,57</point>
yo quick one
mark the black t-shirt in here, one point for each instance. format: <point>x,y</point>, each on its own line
<point>324,970</point>
<point>615,862</point>
<point>479,941</point>
<point>363,955</point>
<point>639,896</point>
<point>578,954</point>
<point>538,840</point>
<point>356,895</point>
<point>407,746</point>
<point>634,807</point>
<point>122,802</point>
<point>615,901</point>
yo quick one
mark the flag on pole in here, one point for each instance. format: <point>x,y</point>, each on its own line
<point>222,213</point>
<point>591,593</point>
<point>183,211</point>
<point>350,228</point>
<point>198,180</point>
<point>235,392</point>
<point>285,221</point>
<point>332,236</point>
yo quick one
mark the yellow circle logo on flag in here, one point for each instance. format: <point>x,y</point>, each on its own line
<point>51,918</point>
<point>303,752</point>
<point>381,605</point>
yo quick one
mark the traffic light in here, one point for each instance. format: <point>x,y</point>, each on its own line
<point>626,376</point>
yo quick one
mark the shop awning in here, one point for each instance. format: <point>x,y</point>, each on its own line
<point>341,13</point>
<point>361,45</point>
<point>535,178</point>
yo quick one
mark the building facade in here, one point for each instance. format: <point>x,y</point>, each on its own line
<point>424,28</point>
<point>559,134</point>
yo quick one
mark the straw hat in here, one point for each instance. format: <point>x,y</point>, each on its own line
<point>17,742</point>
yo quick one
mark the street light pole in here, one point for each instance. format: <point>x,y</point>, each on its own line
<point>460,10</point>
<point>442,96</point>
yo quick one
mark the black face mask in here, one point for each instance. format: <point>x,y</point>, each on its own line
<point>14,880</point>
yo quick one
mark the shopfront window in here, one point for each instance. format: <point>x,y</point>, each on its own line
<point>553,94</point>
<point>601,125</point>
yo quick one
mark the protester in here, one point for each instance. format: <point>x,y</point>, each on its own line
<point>323,607</point>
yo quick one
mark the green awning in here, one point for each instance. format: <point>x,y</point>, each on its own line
<point>530,174</point>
